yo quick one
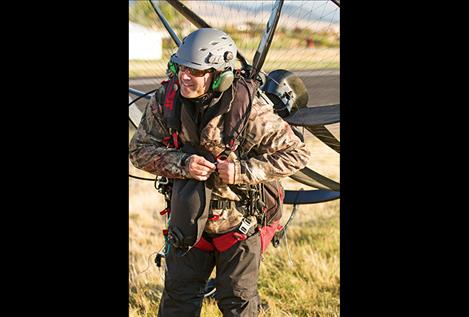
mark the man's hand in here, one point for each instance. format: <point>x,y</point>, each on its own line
<point>226,171</point>
<point>199,168</point>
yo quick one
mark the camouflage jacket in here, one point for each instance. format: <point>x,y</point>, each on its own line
<point>273,152</point>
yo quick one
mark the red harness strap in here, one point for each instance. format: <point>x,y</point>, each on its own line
<point>167,210</point>
<point>169,113</point>
<point>170,95</point>
<point>172,141</point>
<point>204,245</point>
<point>267,233</point>
<point>221,243</point>
<point>227,240</point>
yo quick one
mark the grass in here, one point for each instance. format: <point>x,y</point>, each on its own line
<point>300,278</point>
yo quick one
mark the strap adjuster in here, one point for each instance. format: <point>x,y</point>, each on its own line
<point>245,225</point>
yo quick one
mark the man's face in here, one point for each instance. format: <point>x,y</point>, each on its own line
<point>194,83</point>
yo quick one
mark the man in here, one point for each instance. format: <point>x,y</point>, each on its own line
<point>210,141</point>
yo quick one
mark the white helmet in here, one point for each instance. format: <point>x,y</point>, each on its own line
<point>206,48</point>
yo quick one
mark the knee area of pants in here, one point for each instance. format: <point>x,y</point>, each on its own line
<point>233,294</point>
<point>184,287</point>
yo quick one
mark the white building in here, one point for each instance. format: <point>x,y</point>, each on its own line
<point>144,43</point>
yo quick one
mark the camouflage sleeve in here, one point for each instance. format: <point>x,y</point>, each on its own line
<point>147,150</point>
<point>278,152</point>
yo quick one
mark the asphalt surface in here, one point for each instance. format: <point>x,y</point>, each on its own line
<point>323,86</point>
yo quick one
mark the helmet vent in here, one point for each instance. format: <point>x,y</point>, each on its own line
<point>213,42</point>
<point>223,37</point>
<point>203,49</point>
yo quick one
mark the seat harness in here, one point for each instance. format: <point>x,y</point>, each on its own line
<point>236,111</point>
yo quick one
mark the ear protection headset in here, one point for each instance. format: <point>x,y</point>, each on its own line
<point>223,80</point>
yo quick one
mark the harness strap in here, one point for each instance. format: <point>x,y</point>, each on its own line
<point>171,104</point>
<point>167,210</point>
<point>236,123</point>
<point>267,234</point>
<point>220,203</point>
<point>204,245</point>
<point>227,240</point>
<point>172,141</point>
<point>213,217</point>
<point>220,243</point>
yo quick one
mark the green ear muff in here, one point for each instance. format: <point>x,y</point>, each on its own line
<point>172,68</point>
<point>223,81</point>
<point>216,82</point>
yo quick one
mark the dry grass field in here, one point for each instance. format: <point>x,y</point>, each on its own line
<point>300,278</point>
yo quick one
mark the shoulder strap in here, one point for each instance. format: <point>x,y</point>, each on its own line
<point>172,104</point>
<point>171,111</point>
<point>236,118</point>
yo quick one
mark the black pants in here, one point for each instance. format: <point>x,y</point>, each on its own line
<point>237,272</point>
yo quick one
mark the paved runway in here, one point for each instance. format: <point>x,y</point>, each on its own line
<point>323,85</point>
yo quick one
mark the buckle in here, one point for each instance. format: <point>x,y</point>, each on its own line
<point>161,180</point>
<point>220,204</point>
<point>160,184</point>
<point>245,225</point>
